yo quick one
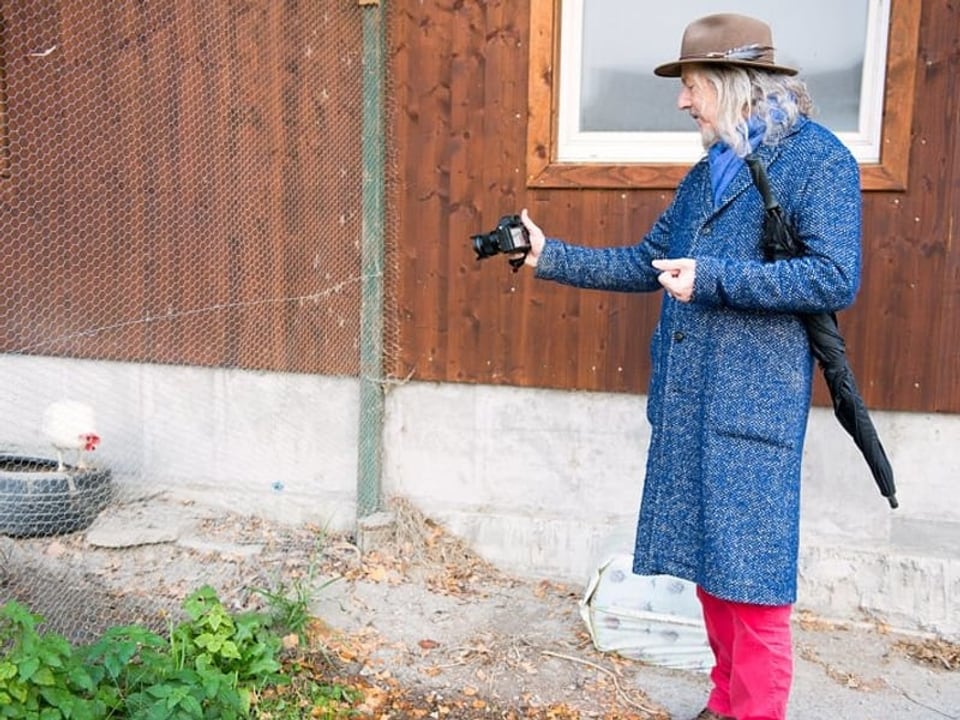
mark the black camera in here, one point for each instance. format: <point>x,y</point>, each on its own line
<point>509,236</point>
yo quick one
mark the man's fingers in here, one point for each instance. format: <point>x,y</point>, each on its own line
<point>525,219</point>
<point>671,266</point>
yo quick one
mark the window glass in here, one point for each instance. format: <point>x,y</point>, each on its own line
<point>612,106</point>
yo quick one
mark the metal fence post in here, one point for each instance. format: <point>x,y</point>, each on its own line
<point>369,466</point>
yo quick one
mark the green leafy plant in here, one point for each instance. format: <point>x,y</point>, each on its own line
<point>138,677</point>
<point>211,666</point>
<point>40,675</point>
<point>241,645</point>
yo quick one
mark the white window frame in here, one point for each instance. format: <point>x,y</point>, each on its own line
<point>574,145</point>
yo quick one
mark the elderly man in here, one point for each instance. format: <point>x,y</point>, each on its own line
<point>731,365</point>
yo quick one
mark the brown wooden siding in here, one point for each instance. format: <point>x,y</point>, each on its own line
<point>161,204</point>
<point>183,182</point>
<point>460,71</point>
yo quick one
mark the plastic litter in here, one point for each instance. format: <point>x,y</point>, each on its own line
<point>655,619</point>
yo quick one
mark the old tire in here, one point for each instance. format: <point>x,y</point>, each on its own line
<point>36,499</point>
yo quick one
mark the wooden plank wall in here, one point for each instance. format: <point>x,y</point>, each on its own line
<point>182,182</point>
<point>460,75</point>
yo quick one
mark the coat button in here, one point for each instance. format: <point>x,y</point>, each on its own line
<point>678,336</point>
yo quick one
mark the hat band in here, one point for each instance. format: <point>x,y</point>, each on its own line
<point>743,53</point>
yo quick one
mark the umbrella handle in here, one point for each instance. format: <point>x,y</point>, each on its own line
<point>761,181</point>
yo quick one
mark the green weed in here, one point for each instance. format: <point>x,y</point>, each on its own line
<point>212,666</point>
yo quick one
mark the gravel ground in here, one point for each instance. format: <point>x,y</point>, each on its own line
<point>424,612</point>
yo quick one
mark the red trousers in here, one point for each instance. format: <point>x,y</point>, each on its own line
<point>754,660</point>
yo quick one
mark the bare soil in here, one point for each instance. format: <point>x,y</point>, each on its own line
<point>425,615</point>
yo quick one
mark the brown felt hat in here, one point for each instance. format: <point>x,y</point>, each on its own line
<point>728,39</point>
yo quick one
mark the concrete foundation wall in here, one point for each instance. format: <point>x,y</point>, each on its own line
<point>279,446</point>
<point>543,483</point>
<point>546,483</point>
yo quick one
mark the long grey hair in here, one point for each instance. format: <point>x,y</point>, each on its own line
<point>776,99</point>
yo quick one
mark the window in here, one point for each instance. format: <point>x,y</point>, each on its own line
<point>600,118</point>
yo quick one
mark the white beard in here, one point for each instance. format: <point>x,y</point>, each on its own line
<point>709,137</point>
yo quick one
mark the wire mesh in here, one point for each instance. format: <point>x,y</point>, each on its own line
<point>180,252</point>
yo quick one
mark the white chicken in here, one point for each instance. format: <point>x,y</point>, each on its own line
<point>70,425</point>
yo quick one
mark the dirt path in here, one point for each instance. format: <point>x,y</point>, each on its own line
<point>426,614</point>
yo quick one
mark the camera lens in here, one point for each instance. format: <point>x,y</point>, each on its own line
<point>485,245</point>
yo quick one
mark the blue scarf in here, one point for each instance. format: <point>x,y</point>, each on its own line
<point>725,163</point>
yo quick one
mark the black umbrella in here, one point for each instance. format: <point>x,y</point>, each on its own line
<point>780,242</point>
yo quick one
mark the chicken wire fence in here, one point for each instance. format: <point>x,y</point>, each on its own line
<point>193,251</point>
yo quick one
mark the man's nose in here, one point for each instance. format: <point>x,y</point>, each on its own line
<point>683,99</point>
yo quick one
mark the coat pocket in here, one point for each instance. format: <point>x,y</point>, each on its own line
<point>761,391</point>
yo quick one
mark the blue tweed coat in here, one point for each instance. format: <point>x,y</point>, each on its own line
<point>731,370</point>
